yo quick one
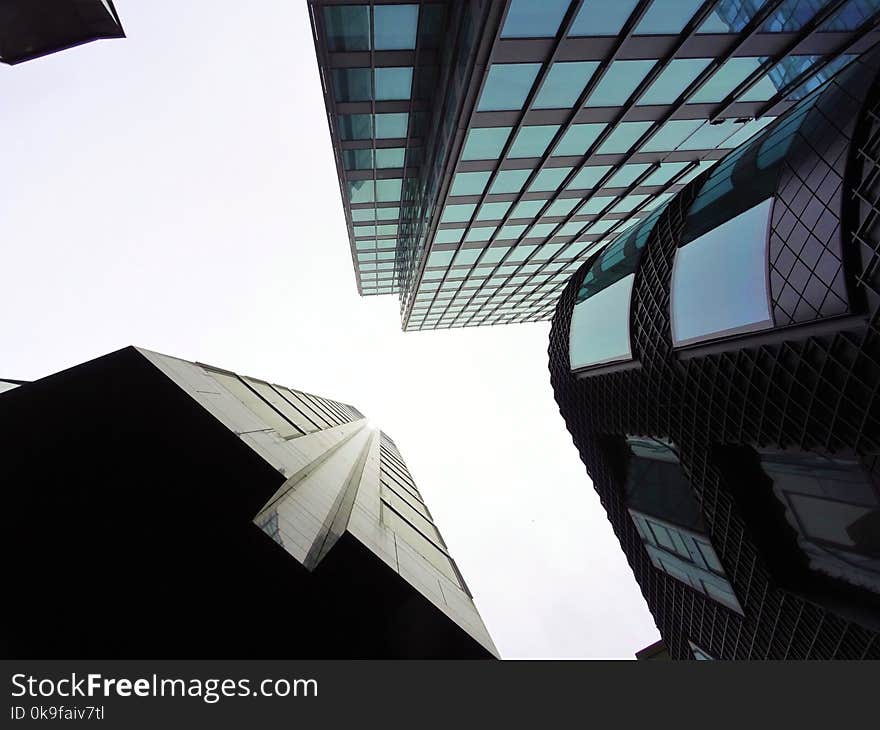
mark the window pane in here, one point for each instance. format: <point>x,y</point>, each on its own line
<point>595,205</point>
<point>391,126</point>
<point>480,233</point>
<point>850,16</point>
<point>458,213</point>
<point>485,143</point>
<point>492,211</point>
<point>627,175</point>
<point>791,16</point>
<point>540,230</point>
<point>361,191</point>
<point>671,134</point>
<point>578,138</point>
<point>393,83</point>
<point>563,206</point>
<point>674,79</point>
<point>388,191</point>
<point>387,214</point>
<point>588,177</point>
<point>390,157</point>
<point>355,126</point>
<point>667,17</point>
<point>623,137</point>
<point>710,136</point>
<point>528,208</point>
<point>363,214</point>
<point>549,179</point>
<point>600,326</point>
<point>357,159</point>
<point>534,18</point>
<point>619,82</point>
<point>348,27</point>
<point>719,280</point>
<point>469,183</point>
<point>507,86</point>
<point>732,73</point>
<point>532,141</point>
<point>352,84</point>
<point>730,16</point>
<point>564,83</point>
<point>664,173</point>
<point>395,27</point>
<point>602,17</point>
<point>449,235</point>
<point>629,204</point>
<point>509,181</point>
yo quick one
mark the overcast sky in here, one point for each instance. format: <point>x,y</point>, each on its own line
<point>176,190</point>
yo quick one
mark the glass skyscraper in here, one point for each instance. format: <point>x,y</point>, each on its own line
<point>485,149</point>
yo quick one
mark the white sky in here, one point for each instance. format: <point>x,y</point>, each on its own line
<point>176,190</point>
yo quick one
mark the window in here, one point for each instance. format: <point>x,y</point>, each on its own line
<point>395,27</point>
<point>528,208</point>
<point>602,17</point>
<point>625,135</point>
<point>391,126</point>
<point>671,135</point>
<point>507,86</point>
<point>669,520</point>
<point>532,141</point>
<point>534,18</point>
<point>627,175</point>
<point>469,183</point>
<point>578,138</point>
<point>730,75</point>
<point>390,157</point>
<point>393,83</point>
<point>588,177</point>
<point>549,179</point>
<point>619,82</point>
<point>564,83</point>
<point>485,143</point>
<point>352,84</point>
<point>731,16</point>
<point>673,80</point>
<point>492,211</point>
<point>348,27</point>
<point>355,126</point>
<point>509,181</point>
<point>357,159</point>
<point>667,17</point>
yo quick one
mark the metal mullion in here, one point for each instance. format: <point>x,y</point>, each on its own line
<point>865,29</point>
<point>571,14</point>
<point>787,50</point>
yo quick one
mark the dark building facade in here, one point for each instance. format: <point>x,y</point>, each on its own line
<point>718,366</point>
<point>155,507</point>
<point>30,29</point>
<point>486,148</point>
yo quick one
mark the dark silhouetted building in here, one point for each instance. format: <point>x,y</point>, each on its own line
<point>718,366</point>
<point>155,507</point>
<point>33,28</point>
<point>486,148</point>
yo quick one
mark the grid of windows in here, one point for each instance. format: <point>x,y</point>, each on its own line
<point>586,116</point>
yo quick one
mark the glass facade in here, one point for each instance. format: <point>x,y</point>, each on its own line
<point>616,134</point>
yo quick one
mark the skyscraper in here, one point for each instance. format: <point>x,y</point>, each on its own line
<point>485,149</point>
<point>718,369</point>
<point>159,507</point>
<point>30,29</point>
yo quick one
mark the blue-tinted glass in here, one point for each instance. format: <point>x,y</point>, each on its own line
<point>449,235</point>
<point>364,231</point>
<point>507,86</point>
<point>602,226</point>
<point>671,134</point>
<point>732,73</point>
<point>387,214</point>
<point>348,27</point>
<point>363,215</point>
<point>391,126</point>
<point>458,213</point>
<point>394,27</point>
<point>528,208</point>
<point>388,191</point>
<point>629,203</point>
<point>386,230</point>
<point>602,17</point>
<point>480,233</point>
<point>532,141</point>
<point>730,16</point>
<point>540,230</point>
<point>563,206</point>
<point>564,83</point>
<point>355,126</point>
<point>627,175</point>
<point>665,173</point>
<point>619,82</point>
<point>440,258</point>
<point>352,84</point>
<point>393,83</point>
<point>623,137</point>
<point>709,136</point>
<point>850,16</point>
<point>667,17</point>
<point>792,15</point>
<point>599,330</point>
<point>549,179</point>
<point>674,79</point>
<point>390,157</point>
<point>534,18</point>
<point>509,181</point>
<point>821,76</point>
<point>469,183</point>
<point>361,191</point>
<point>492,211</point>
<point>357,159</point>
<point>485,143</point>
<point>467,256</point>
<point>578,138</point>
<point>570,229</point>
<point>588,177</point>
<point>507,232</point>
<point>595,205</point>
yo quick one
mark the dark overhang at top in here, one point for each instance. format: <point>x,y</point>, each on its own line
<point>33,28</point>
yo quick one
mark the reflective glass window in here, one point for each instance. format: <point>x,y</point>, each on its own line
<point>493,211</point>
<point>528,208</point>
<point>390,157</point>
<point>466,256</point>
<point>361,191</point>
<point>540,230</point>
<point>730,75</point>
<point>673,80</point>
<point>388,191</point>
<point>564,83</point>
<point>532,141</point>
<point>850,16</point>
<point>629,204</point>
<point>619,82</point>
<point>507,85</point>
<point>600,324</point>
<point>791,15</point>
<point>509,181</point>
<point>460,213</point>
<point>485,143</point>
<point>821,76</point>
<point>348,27</point>
<point>588,177</point>
<point>578,138</point>
<point>671,135</point>
<point>357,159</point>
<point>602,226</point>
<point>665,173</point>
<point>511,231</point>
<point>595,205</point>
<point>730,16</point>
<point>625,135</point>
<point>667,17</point>
<point>391,126</point>
<point>387,214</point>
<point>602,17</point>
<point>627,175</point>
<point>440,258</point>
<point>534,18</point>
<point>448,235</point>
<point>394,27</point>
<point>710,136</point>
<point>355,126</point>
<point>480,233</point>
<point>352,84</point>
<point>549,179</point>
<point>469,183</point>
<point>393,83</point>
<point>363,214</point>
<point>563,206</point>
